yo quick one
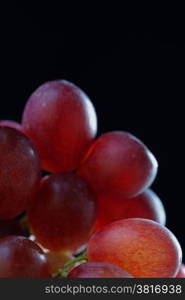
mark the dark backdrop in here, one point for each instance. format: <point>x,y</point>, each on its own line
<point>129,66</point>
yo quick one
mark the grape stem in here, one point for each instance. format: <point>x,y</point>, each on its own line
<point>62,272</point>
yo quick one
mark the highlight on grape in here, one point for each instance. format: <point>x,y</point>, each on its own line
<point>77,205</point>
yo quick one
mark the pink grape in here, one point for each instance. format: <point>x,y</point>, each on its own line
<point>114,207</point>
<point>19,172</point>
<point>118,162</point>
<point>61,121</point>
<point>64,212</point>
<point>141,247</point>
<point>98,270</point>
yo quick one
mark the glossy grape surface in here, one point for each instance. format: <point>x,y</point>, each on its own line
<point>142,247</point>
<point>98,270</point>
<point>64,212</point>
<point>11,124</point>
<point>21,258</point>
<point>146,205</point>
<point>118,162</point>
<point>61,121</point>
<point>19,172</point>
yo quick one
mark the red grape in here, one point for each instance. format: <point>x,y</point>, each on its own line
<point>181,273</point>
<point>19,172</point>
<point>64,212</point>
<point>10,227</point>
<point>21,257</point>
<point>61,121</point>
<point>11,124</point>
<point>98,270</point>
<point>143,248</point>
<point>146,205</point>
<point>119,163</point>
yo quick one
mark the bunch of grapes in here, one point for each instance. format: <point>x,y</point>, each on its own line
<point>76,205</point>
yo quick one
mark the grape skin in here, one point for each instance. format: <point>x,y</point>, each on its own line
<point>61,121</point>
<point>19,172</point>
<point>100,166</point>
<point>117,162</point>
<point>64,212</point>
<point>113,207</point>
<point>11,124</point>
<point>98,270</point>
<point>143,248</point>
<point>21,258</point>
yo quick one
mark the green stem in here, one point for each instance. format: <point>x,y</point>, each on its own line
<point>65,269</point>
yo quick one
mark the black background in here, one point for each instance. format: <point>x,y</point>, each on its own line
<point>130,65</point>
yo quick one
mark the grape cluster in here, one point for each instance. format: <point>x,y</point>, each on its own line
<point>76,205</point>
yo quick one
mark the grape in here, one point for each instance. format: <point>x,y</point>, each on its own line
<point>57,260</point>
<point>10,227</point>
<point>64,212</point>
<point>19,172</point>
<point>119,163</point>
<point>98,270</point>
<point>11,124</point>
<point>22,258</point>
<point>146,205</point>
<point>61,121</point>
<point>143,248</point>
<point>181,273</point>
